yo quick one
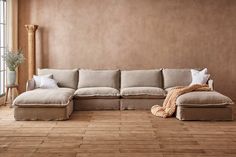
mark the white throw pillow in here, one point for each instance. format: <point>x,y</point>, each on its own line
<point>48,83</point>
<point>37,79</point>
<point>204,71</point>
<point>199,77</point>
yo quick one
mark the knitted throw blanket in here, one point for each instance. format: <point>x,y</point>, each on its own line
<point>169,104</point>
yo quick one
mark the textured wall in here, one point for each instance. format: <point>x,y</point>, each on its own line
<point>134,34</point>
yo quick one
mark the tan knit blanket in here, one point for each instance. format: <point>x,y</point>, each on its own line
<point>169,104</point>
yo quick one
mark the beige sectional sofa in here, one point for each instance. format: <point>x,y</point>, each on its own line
<point>118,90</point>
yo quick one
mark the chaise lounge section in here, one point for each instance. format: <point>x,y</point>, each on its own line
<point>44,104</point>
<point>86,89</point>
<point>200,105</point>
<point>48,104</point>
<point>197,105</point>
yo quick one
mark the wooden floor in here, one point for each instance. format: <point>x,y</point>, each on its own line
<point>115,134</point>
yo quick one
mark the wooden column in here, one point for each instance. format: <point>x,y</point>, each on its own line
<point>31,49</point>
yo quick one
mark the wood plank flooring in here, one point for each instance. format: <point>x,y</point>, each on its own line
<point>115,134</point>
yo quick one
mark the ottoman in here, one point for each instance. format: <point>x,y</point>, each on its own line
<point>44,104</point>
<point>204,105</point>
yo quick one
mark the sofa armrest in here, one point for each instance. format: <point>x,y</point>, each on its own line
<point>30,85</point>
<point>211,84</point>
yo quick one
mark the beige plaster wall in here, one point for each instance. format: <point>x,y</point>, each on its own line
<point>134,34</point>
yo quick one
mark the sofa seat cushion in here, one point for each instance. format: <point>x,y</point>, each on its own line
<point>168,89</point>
<point>143,92</point>
<point>98,92</point>
<point>59,97</point>
<point>203,99</point>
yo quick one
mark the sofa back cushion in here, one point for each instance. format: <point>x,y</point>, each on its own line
<point>141,78</point>
<point>98,78</point>
<point>176,77</point>
<point>65,78</point>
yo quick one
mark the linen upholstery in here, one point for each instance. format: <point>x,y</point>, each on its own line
<point>209,83</point>
<point>139,104</point>
<point>169,89</point>
<point>42,104</point>
<point>203,113</point>
<point>176,77</point>
<point>30,85</point>
<point>203,99</point>
<point>143,92</point>
<point>141,78</point>
<point>65,78</point>
<point>58,97</point>
<point>97,92</point>
<point>43,113</point>
<point>98,78</point>
<point>85,104</point>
